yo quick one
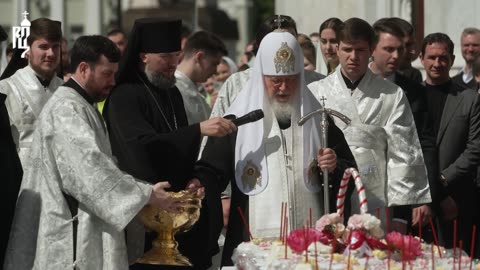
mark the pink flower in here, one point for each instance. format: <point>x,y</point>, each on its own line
<point>326,220</point>
<point>299,240</point>
<point>409,246</point>
<point>395,239</point>
<point>322,222</point>
<point>412,247</point>
<point>355,222</point>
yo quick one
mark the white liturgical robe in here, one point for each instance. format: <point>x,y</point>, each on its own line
<point>71,155</point>
<point>283,152</point>
<point>382,137</point>
<point>278,161</point>
<point>195,105</point>
<point>26,97</point>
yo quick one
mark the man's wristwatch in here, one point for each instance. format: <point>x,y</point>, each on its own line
<point>443,180</point>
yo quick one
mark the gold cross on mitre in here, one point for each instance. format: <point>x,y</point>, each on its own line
<point>279,21</point>
<point>284,59</point>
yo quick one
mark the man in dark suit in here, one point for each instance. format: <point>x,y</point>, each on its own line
<point>10,173</point>
<point>411,50</point>
<point>476,76</point>
<point>387,55</point>
<point>470,43</point>
<point>454,119</point>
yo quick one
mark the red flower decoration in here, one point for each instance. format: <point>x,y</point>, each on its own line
<point>324,237</point>
<point>375,244</point>
<point>412,247</point>
<point>395,239</point>
<point>409,246</point>
<point>355,239</point>
<point>299,240</point>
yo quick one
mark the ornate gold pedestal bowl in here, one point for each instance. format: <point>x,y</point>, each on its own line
<point>167,224</point>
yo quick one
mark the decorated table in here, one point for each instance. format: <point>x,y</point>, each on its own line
<point>361,244</point>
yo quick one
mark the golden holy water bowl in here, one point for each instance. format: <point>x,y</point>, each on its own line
<point>164,248</point>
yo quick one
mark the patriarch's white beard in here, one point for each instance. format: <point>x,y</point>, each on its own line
<point>282,111</point>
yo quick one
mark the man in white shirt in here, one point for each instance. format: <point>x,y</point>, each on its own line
<point>470,42</point>
<point>202,54</point>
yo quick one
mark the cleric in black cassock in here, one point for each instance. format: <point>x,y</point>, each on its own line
<point>150,134</point>
<point>10,171</point>
<point>274,160</point>
<point>11,174</point>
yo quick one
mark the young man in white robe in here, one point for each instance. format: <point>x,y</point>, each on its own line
<point>202,54</point>
<point>382,134</point>
<point>74,202</point>
<point>30,87</point>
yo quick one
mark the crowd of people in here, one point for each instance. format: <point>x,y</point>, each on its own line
<point>91,135</point>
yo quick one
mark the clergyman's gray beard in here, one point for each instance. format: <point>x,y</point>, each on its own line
<point>282,111</point>
<point>160,80</point>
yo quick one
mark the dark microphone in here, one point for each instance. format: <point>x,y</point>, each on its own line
<point>247,118</point>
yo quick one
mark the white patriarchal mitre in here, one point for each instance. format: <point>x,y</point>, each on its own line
<point>279,54</point>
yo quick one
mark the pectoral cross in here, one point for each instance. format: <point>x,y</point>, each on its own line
<point>285,149</point>
<point>322,99</point>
